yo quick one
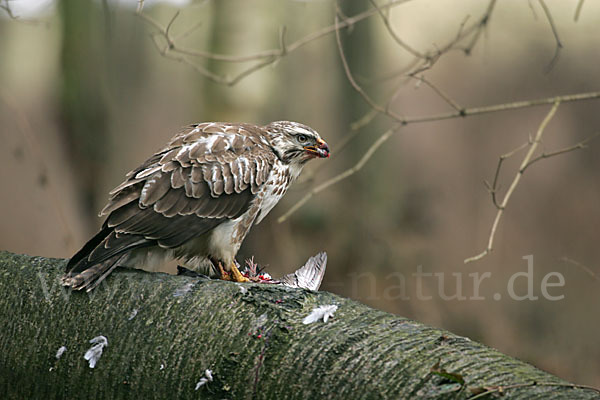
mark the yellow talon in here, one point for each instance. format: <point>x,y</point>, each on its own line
<point>224,274</point>
<point>236,275</point>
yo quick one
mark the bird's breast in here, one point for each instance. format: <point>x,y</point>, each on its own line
<point>275,188</point>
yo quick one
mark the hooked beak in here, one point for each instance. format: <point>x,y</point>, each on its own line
<point>321,149</point>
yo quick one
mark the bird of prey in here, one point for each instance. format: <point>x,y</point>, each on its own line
<point>196,199</point>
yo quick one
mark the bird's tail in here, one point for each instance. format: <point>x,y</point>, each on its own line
<point>91,277</point>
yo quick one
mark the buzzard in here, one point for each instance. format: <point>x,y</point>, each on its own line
<point>196,199</point>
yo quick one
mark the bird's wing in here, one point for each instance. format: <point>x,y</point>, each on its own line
<point>207,174</point>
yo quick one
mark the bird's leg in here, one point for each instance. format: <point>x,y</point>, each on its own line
<point>224,275</point>
<point>236,275</point>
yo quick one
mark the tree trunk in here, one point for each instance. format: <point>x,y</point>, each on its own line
<point>83,107</point>
<point>165,331</point>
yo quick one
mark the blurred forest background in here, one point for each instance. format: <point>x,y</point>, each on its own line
<point>86,95</point>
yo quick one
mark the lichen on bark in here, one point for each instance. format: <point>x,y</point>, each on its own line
<point>165,331</point>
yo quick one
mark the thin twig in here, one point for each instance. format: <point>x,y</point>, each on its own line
<point>559,44</point>
<point>578,10</point>
<point>483,23</point>
<point>347,173</point>
<point>428,62</point>
<point>404,71</point>
<point>530,4</point>
<point>264,58</point>
<point>364,120</point>
<point>482,110</point>
<point>577,146</point>
<point>188,32</point>
<point>271,56</point>
<point>583,267</point>
<point>165,53</point>
<point>8,10</point>
<point>439,92</point>
<point>396,93</point>
<point>501,107</point>
<point>354,131</point>
<point>534,144</point>
<point>5,5</point>
<point>351,79</point>
<point>168,27</point>
<point>493,189</point>
<point>393,33</point>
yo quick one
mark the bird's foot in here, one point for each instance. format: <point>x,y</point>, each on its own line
<point>235,275</point>
<point>223,275</point>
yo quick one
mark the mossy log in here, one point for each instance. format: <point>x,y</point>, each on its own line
<point>165,331</point>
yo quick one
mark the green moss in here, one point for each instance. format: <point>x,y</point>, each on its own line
<point>251,336</point>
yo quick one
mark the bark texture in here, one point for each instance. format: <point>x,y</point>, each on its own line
<point>164,331</point>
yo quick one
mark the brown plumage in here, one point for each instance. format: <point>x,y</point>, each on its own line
<point>196,199</point>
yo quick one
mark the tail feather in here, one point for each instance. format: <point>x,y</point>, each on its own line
<point>99,256</point>
<point>91,277</point>
<point>88,248</point>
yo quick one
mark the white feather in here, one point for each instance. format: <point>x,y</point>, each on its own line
<point>320,313</point>
<point>60,352</point>
<point>95,352</point>
<point>183,150</point>
<point>208,377</point>
<point>148,171</point>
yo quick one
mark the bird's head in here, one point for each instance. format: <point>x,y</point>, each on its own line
<point>296,143</point>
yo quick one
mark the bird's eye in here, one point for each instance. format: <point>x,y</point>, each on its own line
<point>302,138</point>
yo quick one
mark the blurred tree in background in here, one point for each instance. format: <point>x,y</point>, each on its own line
<point>83,113</point>
<point>89,88</point>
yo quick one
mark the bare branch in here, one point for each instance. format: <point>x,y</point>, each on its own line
<point>493,189</point>
<point>168,28</point>
<point>577,146</point>
<point>347,173</point>
<point>165,53</point>
<point>268,57</point>
<point>150,20</point>
<point>393,34</point>
<point>502,107</point>
<point>559,45</point>
<point>578,10</point>
<point>404,71</point>
<point>188,32</point>
<point>427,63</point>
<point>439,92</point>
<point>584,267</point>
<point>533,146</point>
<point>354,84</point>
<point>431,57</point>
<point>354,131</point>
<point>263,58</point>
<point>6,7</point>
<point>465,113</point>
<point>530,4</point>
<point>364,120</point>
<point>483,22</point>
